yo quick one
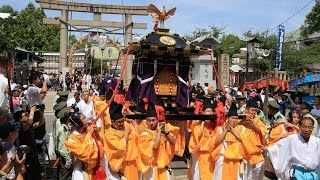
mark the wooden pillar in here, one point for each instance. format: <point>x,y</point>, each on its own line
<point>63,40</point>
<point>128,39</point>
<point>97,16</point>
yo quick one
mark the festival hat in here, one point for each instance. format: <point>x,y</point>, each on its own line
<point>252,103</point>
<point>209,103</point>
<point>140,107</point>
<point>115,111</point>
<point>151,111</point>
<point>233,110</point>
<point>102,92</point>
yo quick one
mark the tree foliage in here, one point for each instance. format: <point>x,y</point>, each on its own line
<point>215,31</point>
<point>268,41</point>
<point>26,30</point>
<point>230,44</point>
<point>312,23</point>
<point>294,61</point>
<point>260,65</point>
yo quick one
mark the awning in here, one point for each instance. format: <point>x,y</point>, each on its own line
<point>303,80</point>
<point>262,83</point>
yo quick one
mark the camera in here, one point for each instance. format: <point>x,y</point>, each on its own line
<point>75,107</point>
<point>41,106</point>
<point>21,151</point>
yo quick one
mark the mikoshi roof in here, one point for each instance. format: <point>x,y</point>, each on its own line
<point>162,41</point>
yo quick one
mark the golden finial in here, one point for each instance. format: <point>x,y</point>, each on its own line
<point>160,16</point>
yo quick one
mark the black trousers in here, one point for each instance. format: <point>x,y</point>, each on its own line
<point>64,173</point>
<point>33,169</point>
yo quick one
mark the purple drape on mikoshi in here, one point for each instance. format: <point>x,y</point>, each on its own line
<point>133,90</point>
<point>182,88</point>
<point>142,85</point>
<point>147,87</point>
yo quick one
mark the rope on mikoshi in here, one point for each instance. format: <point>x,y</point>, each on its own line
<point>117,86</point>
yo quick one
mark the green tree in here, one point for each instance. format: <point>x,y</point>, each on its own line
<point>211,29</point>
<point>294,61</point>
<point>96,66</point>
<point>267,41</point>
<point>37,36</point>
<point>26,30</point>
<point>9,37</point>
<point>312,23</point>
<point>8,9</point>
<point>259,65</point>
<point>230,44</point>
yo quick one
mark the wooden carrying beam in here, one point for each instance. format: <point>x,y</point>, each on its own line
<point>109,24</point>
<point>94,8</point>
<point>177,117</point>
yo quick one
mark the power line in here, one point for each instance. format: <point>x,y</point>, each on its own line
<point>293,15</point>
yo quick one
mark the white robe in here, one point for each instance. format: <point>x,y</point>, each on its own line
<point>294,150</point>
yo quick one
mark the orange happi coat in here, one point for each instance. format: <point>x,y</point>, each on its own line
<point>85,149</point>
<point>156,159</point>
<point>122,156</point>
<point>232,151</point>
<point>105,118</point>
<point>278,132</point>
<point>251,139</point>
<point>202,144</point>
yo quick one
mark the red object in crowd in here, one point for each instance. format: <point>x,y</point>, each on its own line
<point>100,174</point>
<point>262,83</point>
<point>198,107</point>
<point>119,98</point>
<point>160,113</point>
<point>221,113</point>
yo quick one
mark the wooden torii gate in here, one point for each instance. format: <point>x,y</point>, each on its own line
<point>97,10</point>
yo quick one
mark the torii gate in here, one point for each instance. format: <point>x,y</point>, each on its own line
<point>97,10</point>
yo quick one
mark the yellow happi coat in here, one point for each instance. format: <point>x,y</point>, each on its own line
<point>202,145</point>
<point>156,159</point>
<point>122,156</point>
<point>232,151</point>
<point>251,139</point>
<point>278,132</point>
<point>85,149</point>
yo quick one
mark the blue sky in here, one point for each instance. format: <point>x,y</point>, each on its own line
<point>238,16</point>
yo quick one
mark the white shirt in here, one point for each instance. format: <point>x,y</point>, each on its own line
<point>46,78</point>
<point>294,150</point>
<point>11,153</point>
<point>3,87</point>
<point>87,110</point>
<point>12,86</point>
<point>72,101</point>
<point>34,96</point>
<point>315,112</point>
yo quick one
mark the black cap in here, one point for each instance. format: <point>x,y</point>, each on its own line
<point>8,127</point>
<point>209,103</point>
<point>140,107</point>
<point>200,95</point>
<point>239,97</point>
<point>102,93</point>
<point>306,105</point>
<point>151,111</point>
<point>115,111</point>
<point>252,103</point>
<point>233,110</point>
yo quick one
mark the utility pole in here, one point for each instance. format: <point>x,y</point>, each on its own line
<point>266,97</point>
